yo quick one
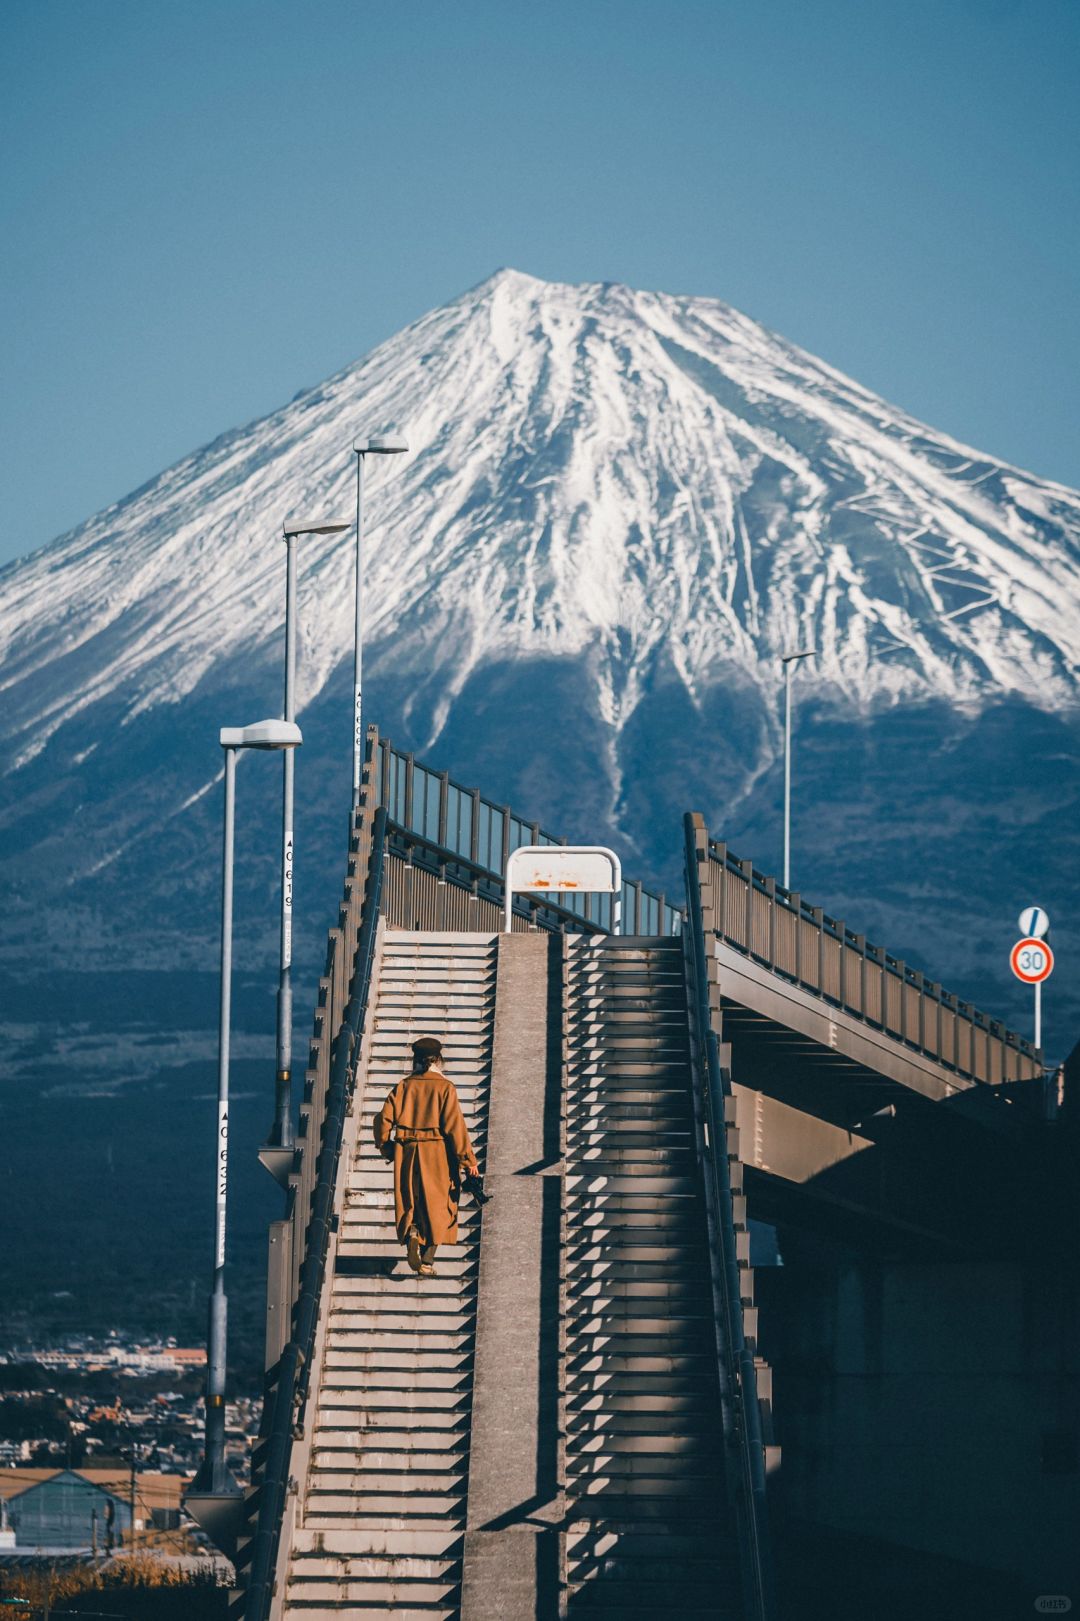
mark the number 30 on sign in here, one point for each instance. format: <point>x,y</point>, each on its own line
<point>1031,960</point>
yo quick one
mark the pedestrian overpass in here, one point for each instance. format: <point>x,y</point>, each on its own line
<point>577,1415</point>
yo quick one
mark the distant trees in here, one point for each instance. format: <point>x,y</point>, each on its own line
<point>39,1418</point>
<point>23,1376</point>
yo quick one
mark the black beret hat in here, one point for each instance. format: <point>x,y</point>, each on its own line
<point>427,1047</point>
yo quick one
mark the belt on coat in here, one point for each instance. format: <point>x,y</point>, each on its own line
<point>418,1134</point>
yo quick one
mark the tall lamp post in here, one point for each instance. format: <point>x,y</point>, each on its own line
<point>386,444</point>
<point>277,1152</point>
<point>214,1494</point>
<point>787,660</point>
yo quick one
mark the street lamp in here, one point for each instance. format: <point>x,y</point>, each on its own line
<point>277,1153</point>
<point>214,1493</point>
<point>787,660</point>
<point>385,444</point>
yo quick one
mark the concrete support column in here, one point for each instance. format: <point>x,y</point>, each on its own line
<point>511,1562</point>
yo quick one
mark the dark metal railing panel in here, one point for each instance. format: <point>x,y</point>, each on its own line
<point>830,964</point>
<point>738,1373</point>
<point>874,990</point>
<point>778,928</point>
<point>808,952</point>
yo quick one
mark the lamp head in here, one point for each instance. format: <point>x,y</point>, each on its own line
<point>264,734</point>
<point>311,526</point>
<point>807,653</point>
<point>381,444</point>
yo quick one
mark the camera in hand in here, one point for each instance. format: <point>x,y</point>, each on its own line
<point>474,1184</point>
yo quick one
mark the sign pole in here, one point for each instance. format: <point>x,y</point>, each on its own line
<point>1031,958</point>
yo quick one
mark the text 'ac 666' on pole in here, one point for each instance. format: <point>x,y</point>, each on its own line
<point>214,1494</point>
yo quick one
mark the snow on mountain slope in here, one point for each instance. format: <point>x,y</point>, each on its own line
<point>618,510</point>
<point>592,468</point>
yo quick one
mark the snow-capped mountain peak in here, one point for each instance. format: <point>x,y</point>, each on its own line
<point>593,470</point>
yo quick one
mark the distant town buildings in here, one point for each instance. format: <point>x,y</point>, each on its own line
<point>76,1418</point>
<point>87,1510</point>
<point>96,1356</point>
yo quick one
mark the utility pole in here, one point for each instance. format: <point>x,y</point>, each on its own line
<point>134,1477</point>
<point>787,660</point>
<point>386,444</point>
<point>277,1155</point>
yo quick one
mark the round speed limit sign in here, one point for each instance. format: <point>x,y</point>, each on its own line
<point>1031,960</point>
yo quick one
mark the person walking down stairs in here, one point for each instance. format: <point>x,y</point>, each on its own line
<point>420,1129</point>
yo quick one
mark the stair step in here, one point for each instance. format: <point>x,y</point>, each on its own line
<point>614,1443</point>
<point>585,1180</point>
<point>368,1485</point>
<point>333,1612</point>
<point>358,1460</point>
<point>351,1505</point>
<point>375,1541</point>
<point>371,1591</point>
<point>386,1437</point>
<point>416,1378</point>
<point>383,1567</point>
<point>584,1424</point>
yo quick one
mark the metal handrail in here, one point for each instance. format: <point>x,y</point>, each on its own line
<point>525,903</point>
<point>752,1506</point>
<point>290,1388</point>
<point>424,818</point>
<point>893,969</point>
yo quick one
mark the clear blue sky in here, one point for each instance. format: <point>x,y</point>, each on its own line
<point>209,205</point>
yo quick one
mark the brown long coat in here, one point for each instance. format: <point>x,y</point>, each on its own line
<point>430,1140</point>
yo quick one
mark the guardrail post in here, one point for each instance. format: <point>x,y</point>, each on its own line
<point>384,774</point>
<point>474,835</point>
<point>901,974</point>
<point>841,929</point>
<point>505,814</point>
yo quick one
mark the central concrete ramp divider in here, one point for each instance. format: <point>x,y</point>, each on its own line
<point>512,1542</point>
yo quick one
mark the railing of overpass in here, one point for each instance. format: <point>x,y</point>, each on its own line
<point>745,1453</point>
<point>777,928</point>
<point>439,824</point>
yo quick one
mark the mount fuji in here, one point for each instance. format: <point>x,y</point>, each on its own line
<point>619,509</point>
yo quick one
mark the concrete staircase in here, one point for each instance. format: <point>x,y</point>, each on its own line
<point>649,1532</point>
<point>379,1523</point>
